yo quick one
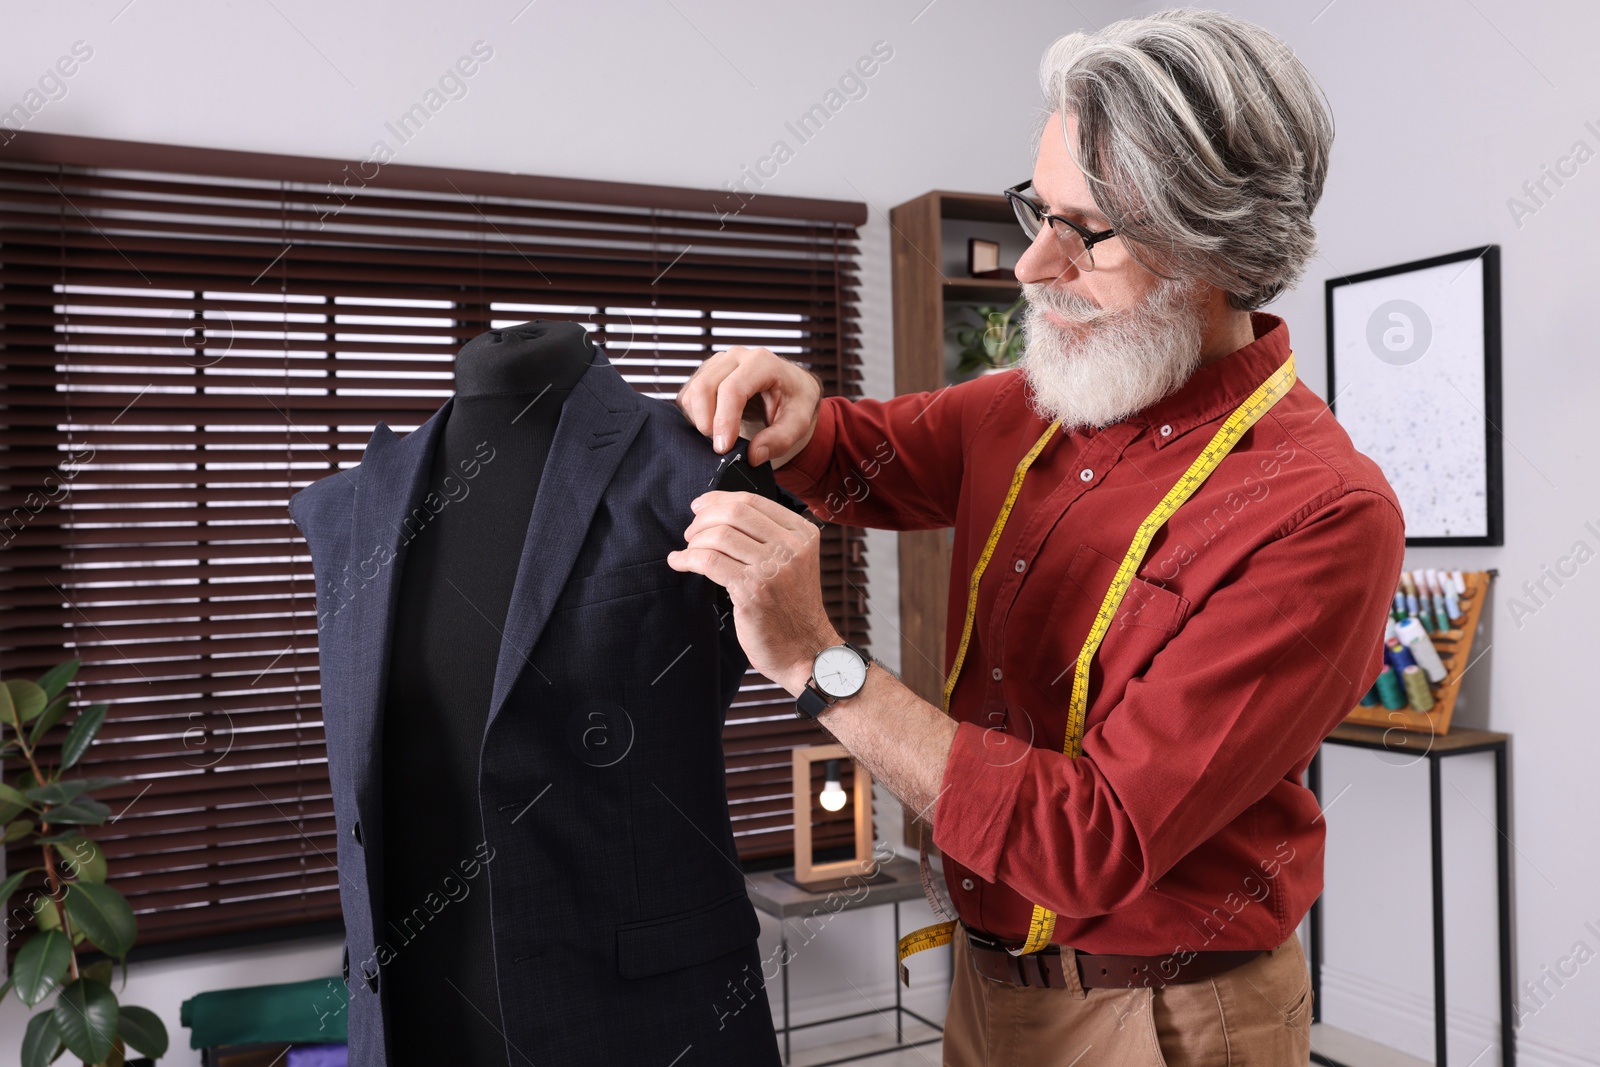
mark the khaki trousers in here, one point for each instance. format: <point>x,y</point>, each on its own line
<point>1255,1015</point>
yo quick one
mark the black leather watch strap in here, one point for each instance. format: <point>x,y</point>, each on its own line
<point>812,701</point>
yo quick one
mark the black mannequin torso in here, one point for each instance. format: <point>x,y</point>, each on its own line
<point>459,565</point>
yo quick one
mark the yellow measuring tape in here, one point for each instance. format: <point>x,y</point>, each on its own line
<point>1043,922</point>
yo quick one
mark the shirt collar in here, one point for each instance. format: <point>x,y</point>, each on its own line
<point>1216,388</point>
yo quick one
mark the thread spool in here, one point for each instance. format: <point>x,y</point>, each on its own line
<point>1417,691</point>
<point>1441,607</point>
<point>1391,691</point>
<point>1452,605</point>
<point>1409,588</point>
<point>1371,698</point>
<point>1396,655</point>
<point>1420,645</point>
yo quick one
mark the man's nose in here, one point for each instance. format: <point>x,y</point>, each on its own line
<point>1044,261</point>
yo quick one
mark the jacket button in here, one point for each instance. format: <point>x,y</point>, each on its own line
<point>355,832</point>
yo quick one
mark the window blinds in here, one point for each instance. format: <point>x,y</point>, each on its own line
<point>187,336</point>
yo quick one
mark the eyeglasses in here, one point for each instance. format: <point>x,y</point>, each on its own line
<point>1077,242</point>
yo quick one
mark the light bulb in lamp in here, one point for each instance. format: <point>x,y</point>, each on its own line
<point>833,796</point>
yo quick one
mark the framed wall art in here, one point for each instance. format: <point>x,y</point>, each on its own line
<point>1414,378</point>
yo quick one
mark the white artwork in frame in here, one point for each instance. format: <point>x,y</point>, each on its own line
<point>1414,378</point>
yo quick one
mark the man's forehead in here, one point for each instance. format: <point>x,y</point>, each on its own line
<point>1057,183</point>
<point>1058,202</point>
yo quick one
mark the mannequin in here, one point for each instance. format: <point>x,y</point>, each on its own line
<point>455,587</point>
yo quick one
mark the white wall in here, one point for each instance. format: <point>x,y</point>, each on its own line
<point>1443,111</point>
<point>1443,108</point>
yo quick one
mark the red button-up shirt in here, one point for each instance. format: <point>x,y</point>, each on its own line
<point>1252,627</point>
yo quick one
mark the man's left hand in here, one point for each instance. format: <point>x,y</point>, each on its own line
<point>769,560</point>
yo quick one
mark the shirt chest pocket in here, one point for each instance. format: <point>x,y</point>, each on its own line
<point>1148,616</point>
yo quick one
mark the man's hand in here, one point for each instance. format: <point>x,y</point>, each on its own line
<point>721,399</point>
<point>769,560</point>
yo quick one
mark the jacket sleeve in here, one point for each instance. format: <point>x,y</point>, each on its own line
<point>890,464</point>
<point>1273,660</point>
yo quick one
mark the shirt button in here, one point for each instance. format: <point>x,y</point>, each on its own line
<point>1086,474</point>
<point>966,883</point>
<point>1021,565</point>
<point>995,673</point>
<point>1166,430</point>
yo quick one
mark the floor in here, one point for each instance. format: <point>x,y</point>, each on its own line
<point>921,1056</point>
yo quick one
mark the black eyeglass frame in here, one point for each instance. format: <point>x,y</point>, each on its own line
<point>1089,237</point>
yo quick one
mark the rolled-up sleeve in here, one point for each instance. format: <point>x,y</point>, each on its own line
<point>1273,660</point>
<point>890,464</point>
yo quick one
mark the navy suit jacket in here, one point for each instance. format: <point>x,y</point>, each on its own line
<point>622,929</point>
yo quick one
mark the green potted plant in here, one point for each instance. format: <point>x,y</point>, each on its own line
<point>75,907</point>
<point>994,342</point>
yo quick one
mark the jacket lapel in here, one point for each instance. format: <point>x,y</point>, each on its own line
<point>394,471</point>
<point>598,422</point>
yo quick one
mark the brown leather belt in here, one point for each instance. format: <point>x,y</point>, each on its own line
<point>1105,971</point>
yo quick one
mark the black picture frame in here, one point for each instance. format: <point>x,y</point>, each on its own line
<point>1488,404</point>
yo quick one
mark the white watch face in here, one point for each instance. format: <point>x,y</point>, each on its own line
<point>839,671</point>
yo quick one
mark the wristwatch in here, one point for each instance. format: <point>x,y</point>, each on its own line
<point>838,671</point>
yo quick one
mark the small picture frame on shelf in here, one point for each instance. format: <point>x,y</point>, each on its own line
<point>983,260</point>
<point>982,256</point>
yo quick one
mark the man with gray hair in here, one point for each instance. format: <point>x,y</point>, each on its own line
<point>1170,574</point>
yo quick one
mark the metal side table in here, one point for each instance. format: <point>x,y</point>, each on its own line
<point>784,900</point>
<point>1434,749</point>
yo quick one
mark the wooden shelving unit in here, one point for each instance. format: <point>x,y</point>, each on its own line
<point>922,289</point>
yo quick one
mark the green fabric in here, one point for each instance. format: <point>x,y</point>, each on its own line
<point>309,1012</point>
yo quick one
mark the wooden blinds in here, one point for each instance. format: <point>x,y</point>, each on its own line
<point>191,335</point>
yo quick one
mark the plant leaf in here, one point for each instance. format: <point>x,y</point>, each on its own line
<point>9,886</point>
<point>44,912</point>
<point>41,965</point>
<point>27,698</point>
<point>80,811</point>
<point>86,1014</point>
<point>8,711</point>
<point>86,860</point>
<point>52,715</point>
<point>144,1030</point>
<point>14,796</point>
<point>54,793</point>
<point>54,680</point>
<point>100,970</point>
<point>17,831</point>
<point>81,736</point>
<point>42,1041</point>
<point>104,916</point>
<point>93,783</point>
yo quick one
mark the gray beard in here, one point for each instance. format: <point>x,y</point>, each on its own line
<point>1115,363</point>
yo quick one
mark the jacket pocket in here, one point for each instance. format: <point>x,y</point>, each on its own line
<point>618,582</point>
<point>670,942</point>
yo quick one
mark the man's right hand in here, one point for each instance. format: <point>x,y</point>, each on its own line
<point>755,393</point>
